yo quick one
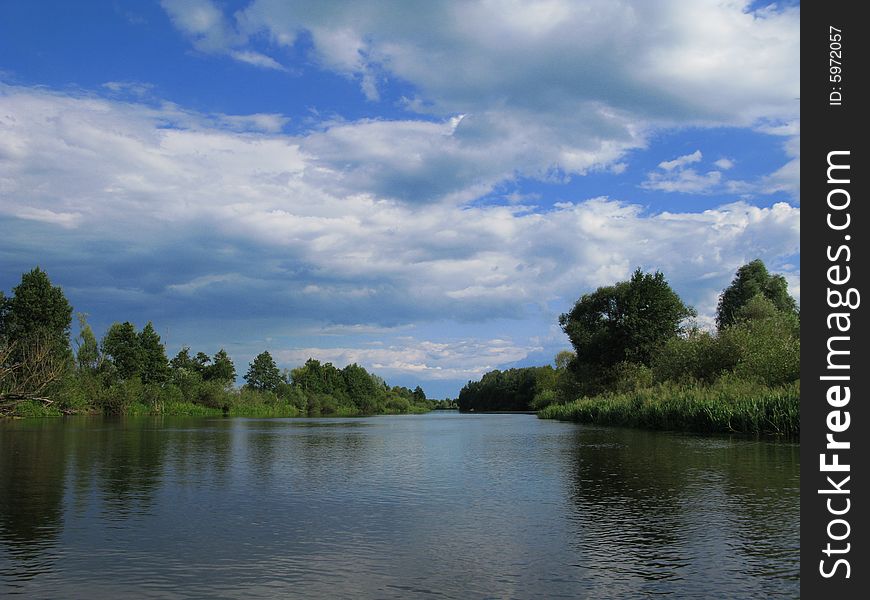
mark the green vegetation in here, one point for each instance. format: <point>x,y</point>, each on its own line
<point>128,372</point>
<point>636,362</point>
<point>511,390</point>
<point>727,406</point>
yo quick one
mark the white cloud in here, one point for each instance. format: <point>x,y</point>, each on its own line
<point>787,178</point>
<point>212,32</point>
<point>257,59</point>
<point>697,61</point>
<point>570,100</point>
<point>67,220</point>
<point>206,221</point>
<point>454,359</point>
<point>681,161</point>
<point>724,163</point>
<point>686,181</point>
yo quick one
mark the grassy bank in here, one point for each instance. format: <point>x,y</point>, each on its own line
<point>724,407</point>
<point>89,396</point>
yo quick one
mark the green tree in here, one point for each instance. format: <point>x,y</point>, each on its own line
<point>201,363</point>
<point>154,367</point>
<point>622,323</point>
<point>123,345</point>
<point>263,374</point>
<point>751,280</point>
<point>182,361</point>
<point>419,394</point>
<point>222,368</point>
<point>87,349</point>
<point>360,388</point>
<point>563,359</point>
<point>37,310</point>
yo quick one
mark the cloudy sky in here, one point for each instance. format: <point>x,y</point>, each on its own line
<point>418,187</point>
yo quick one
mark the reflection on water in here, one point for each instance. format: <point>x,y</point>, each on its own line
<point>447,505</point>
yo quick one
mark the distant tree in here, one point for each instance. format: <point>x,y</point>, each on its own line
<point>514,389</point>
<point>360,388</point>
<point>222,368</point>
<point>37,310</point>
<point>626,322</point>
<point>263,374</point>
<point>154,367</point>
<point>87,349</point>
<point>315,377</point>
<point>182,361</point>
<point>419,394</point>
<point>201,363</point>
<point>751,280</point>
<point>122,344</point>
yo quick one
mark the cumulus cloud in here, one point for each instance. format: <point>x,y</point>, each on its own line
<point>374,223</point>
<point>681,161</point>
<point>673,60</point>
<point>455,359</point>
<point>570,101</point>
<point>786,178</point>
<point>212,32</point>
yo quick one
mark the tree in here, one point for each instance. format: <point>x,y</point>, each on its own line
<point>751,280</point>
<point>27,372</point>
<point>563,359</point>
<point>87,350</point>
<point>201,363</point>
<point>419,394</point>
<point>123,345</point>
<point>182,361</point>
<point>263,374</point>
<point>625,322</point>
<point>154,366</point>
<point>222,368</point>
<point>37,310</point>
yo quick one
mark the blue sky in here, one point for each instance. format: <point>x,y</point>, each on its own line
<point>419,187</point>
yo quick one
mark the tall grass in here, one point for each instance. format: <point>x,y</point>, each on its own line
<point>727,406</point>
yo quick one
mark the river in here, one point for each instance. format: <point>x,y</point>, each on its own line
<point>442,505</point>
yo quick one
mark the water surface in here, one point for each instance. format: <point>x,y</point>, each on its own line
<point>440,505</point>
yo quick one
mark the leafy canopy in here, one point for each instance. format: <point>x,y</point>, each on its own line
<point>37,310</point>
<point>263,373</point>
<point>625,322</point>
<point>752,279</point>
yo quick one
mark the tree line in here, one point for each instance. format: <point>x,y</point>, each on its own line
<point>128,372</point>
<point>639,335</point>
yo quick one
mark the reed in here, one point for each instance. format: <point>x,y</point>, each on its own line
<point>728,406</point>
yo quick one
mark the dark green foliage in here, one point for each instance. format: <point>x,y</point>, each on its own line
<point>123,346</point>
<point>762,345</point>
<point>511,390</point>
<point>200,363</point>
<point>623,323</point>
<point>154,367</point>
<point>128,373</point>
<point>315,377</point>
<point>361,389</point>
<point>263,374</point>
<point>221,369</point>
<point>182,361</point>
<point>752,279</point>
<point>37,310</point>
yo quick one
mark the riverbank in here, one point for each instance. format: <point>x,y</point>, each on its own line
<point>36,409</point>
<point>725,407</point>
